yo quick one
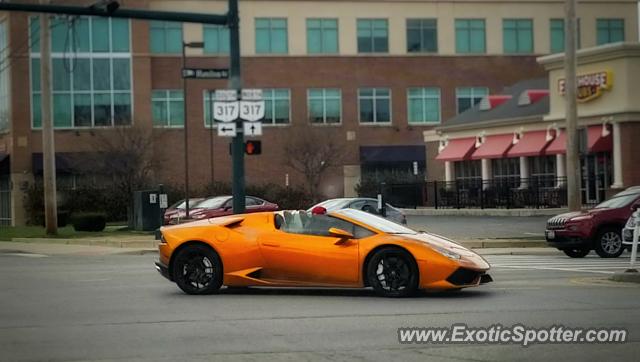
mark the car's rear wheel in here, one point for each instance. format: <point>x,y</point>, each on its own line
<point>609,243</point>
<point>577,252</point>
<point>197,269</point>
<point>392,272</point>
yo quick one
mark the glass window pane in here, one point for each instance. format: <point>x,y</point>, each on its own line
<point>61,110</point>
<point>100,34</point>
<point>36,108</point>
<point>413,40</point>
<point>82,74</point>
<point>101,74</point>
<point>176,113</point>
<point>477,41</point>
<point>211,37</point>
<point>330,41</point>
<point>332,111</point>
<point>122,109</point>
<point>174,40</point>
<point>510,41</point>
<point>60,35</point>
<point>383,111</point>
<point>262,41</point>
<point>366,110</point>
<point>278,23</point>
<point>61,74</point>
<point>268,111</point>
<point>316,111</point>
<point>102,109</point>
<point>159,113</point>
<point>80,35</point>
<point>314,41</point>
<point>282,111</point>
<point>82,110</point>
<point>156,40</point>
<point>35,75</point>
<point>525,41</point>
<point>432,110</point>
<point>34,34</point>
<point>121,74</point>
<point>415,110</point>
<point>279,41</point>
<point>120,35</point>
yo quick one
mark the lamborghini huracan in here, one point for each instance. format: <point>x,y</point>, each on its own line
<point>344,248</point>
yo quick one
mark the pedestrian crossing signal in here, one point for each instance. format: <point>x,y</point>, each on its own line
<point>253,147</point>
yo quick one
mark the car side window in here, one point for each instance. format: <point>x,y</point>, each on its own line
<point>319,225</point>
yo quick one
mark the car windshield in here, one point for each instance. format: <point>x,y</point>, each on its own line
<point>213,203</point>
<point>183,205</point>
<point>617,201</point>
<point>375,221</point>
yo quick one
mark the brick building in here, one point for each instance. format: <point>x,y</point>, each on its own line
<point>377,75</point>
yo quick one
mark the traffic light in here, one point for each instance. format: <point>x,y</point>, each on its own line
<point>253,147</point>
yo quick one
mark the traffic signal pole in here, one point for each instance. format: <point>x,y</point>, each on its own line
<point>230,19</point>
<point>235,82</point>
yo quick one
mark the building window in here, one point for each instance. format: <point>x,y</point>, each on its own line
<point>271,36</point>
<point>517,35</point>
<point>216,39</point>
<point>468,97</point>
<point>322,36</point>
<point>91,73</point>
<point>543,171</point>
<point>424,105</point>
<point>324,106</point>
<point>422,35</point>
<point>373,36</point>
<point>468,174</point>
<point>557,35</point>
<point>375,105</point>
<point>610,31</point>
<point>506,172</point>
<point>470,36</point>
<point>165,37</point>
<point>167,108</point>
<point>276,106</point>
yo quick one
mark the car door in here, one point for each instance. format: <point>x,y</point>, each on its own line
<point>309,254</point>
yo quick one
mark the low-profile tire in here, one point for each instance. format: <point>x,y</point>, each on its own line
<point>577,252</point>
<point>392,272</point>
<point>197,269</point>
<point>608,243</point>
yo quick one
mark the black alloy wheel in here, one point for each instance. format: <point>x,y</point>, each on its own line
<point>577,252</point>
<point>197,269</point>
<point>392,272</point>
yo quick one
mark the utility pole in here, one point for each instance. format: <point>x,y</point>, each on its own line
<point>48,146</point>
<point>235,82</point>
<point>570,64</point>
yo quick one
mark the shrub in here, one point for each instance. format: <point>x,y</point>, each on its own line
<point>89,221</point>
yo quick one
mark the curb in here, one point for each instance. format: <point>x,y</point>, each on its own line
<point>483,212</point>
<point>134,244</point>
<point>626,277</point>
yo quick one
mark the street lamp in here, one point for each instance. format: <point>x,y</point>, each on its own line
<point>195,45</point>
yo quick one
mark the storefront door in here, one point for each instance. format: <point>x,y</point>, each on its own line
<point>596,177</point>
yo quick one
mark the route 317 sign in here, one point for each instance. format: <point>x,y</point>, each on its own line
<point>590,86</point>
<point>225,111</point>
<point>252,111</point>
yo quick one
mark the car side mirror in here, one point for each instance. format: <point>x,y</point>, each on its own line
<point>342,234</point>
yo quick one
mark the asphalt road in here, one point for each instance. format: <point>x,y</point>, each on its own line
<point>117,307</point>
<point>481,227</point>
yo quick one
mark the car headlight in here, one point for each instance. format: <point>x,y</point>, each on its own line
<point>448,253</point>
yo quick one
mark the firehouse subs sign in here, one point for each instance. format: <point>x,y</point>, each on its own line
<point>590,86</point>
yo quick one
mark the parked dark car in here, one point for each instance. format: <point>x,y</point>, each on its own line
<point>362,203</point>
<point>177,210</point>
<point>599,229</point>
<point>223,205</point>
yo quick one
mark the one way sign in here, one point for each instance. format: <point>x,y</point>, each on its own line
<point>226,129</point>
<point>252,128</point>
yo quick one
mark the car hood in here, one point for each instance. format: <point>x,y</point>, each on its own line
<point>442,242</point>
<point>569,215</point>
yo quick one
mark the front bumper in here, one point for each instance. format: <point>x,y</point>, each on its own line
<point>565,239</point>
<point>163,270</point>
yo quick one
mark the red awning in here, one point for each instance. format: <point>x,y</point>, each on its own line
<point>495,146</point>
<point>596,141</point>
<point>558,145</point>
<point>458,149</point>
<point>530,144</point>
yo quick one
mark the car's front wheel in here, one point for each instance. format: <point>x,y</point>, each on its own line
<point>197,269</point>
<point>609,243</point>
<point>577,252</point>
<point>392,272</point>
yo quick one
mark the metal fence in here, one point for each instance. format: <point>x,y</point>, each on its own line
<point>505,193</point>
<point>5,202</point>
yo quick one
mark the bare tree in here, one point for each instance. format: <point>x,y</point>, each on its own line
<point>311,151</point>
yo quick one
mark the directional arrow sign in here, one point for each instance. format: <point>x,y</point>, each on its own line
<point>252,128</point>
<point>252,110</point>
<point>226,111</point>
<point>226,129</point>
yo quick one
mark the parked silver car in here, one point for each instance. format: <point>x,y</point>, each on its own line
<point>367,204</point>
<point>627,232</point>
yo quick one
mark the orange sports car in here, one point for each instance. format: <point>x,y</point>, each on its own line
<point>344,248</point>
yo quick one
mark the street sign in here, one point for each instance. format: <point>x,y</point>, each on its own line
<point>252,128</point>
<point>252,94</point>
<point>226,129</point>
<point>226,95</point>
<point>226,111</point>
<point>197,73</point>
<point>252,111</point>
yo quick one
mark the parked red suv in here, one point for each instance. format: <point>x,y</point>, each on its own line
<point>599,229</point>
<point>221,206</point>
